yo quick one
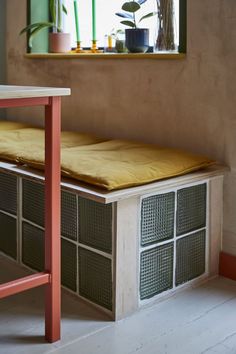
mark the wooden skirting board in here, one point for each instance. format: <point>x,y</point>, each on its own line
<point>227,265</point>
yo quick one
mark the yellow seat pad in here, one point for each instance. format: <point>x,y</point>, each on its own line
<point>8,125</point>
<point>15,144</point>
<point>118,164</point>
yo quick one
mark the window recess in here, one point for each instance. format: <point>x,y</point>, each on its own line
<point>106,23</point>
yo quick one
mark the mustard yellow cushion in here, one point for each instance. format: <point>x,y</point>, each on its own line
<point>8,125</point>
<point>118,164</point>
<point>16,144</point>
<point>109,164</point>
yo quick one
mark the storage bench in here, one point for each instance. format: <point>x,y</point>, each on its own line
<point>120,249</point>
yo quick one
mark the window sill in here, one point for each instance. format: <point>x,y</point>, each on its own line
<point>160,56</point>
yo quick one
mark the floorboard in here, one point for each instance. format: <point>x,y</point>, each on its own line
<point>196,321</point>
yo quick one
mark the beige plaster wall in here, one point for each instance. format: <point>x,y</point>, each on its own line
<point>187,103</point>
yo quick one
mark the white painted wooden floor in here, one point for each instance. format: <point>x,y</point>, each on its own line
<point>199,320</point>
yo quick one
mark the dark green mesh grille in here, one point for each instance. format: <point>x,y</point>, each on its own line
<point>156,270</point>
<point>8,193</point>
<point>68,264</point>
<point>33,208</point>
<point>69,215</point>
<point>190,257</point>
<point>191,209</point>
<point>33,254</point>
<point>8,243</point>
<point>95,225</point>
<point>32,246</point>
<point>157,218</point>
<point>33,202</point>
<point>95,278</point>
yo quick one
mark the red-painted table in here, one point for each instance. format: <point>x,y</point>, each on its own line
<point>20,96</point>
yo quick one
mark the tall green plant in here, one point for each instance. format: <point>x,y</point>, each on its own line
<point>56,8</point>
<point>130,8</point>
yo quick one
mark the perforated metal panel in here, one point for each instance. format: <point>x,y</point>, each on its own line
<point>95,225</point>
<point>69,215</point>
<point>8,243</point>
<point>157,218</point>
<point>190,257</point>
<point>191,209</point>
<point>156,270</point>
<point>68,264</point>
<point>8,193</point>
<point>95,278</point>
<point>33,202</point>
<point>32,246</point>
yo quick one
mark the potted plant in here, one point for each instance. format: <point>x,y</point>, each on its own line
<point>58,40</point>
<point>136,39</point>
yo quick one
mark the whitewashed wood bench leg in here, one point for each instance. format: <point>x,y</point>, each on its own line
<point>126,257</point>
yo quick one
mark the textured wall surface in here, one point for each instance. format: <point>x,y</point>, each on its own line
<point>188,103</point>
<point>2,41</point>
<point>2,49</point>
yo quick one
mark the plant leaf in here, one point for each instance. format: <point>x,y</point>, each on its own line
<point>124,15</point>
<point>120,31</point>
<point>141,2</point>
<point>128,23</point>
<point>59,19</point>
<point>132,6</point>
<point>34,25</point>
<point>52,11</point>
<point>148,15</point>
<point>64,9</point>
<point>36,30</point>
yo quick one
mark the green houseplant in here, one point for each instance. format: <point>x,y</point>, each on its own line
<point>58,40</point>
<point>137,39</point>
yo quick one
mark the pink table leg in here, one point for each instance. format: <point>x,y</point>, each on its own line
<point>51,277</point>
<point>52,218</point>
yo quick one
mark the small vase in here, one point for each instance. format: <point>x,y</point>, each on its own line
<point>120,46</point>
<point>137,40</point>
<point>59,42</point>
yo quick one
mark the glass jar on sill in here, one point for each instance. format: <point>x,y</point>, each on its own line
<point>120,41</point>
<point>109,43</point>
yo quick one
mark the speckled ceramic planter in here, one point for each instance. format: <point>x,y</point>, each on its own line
<point>59,42</point>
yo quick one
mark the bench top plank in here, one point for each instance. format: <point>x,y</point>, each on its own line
<point>14,92</point>
<point>106,197</point>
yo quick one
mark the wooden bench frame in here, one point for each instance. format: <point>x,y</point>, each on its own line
<point>126,208</point>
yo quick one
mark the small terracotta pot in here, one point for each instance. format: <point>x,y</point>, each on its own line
<point>59,42</point>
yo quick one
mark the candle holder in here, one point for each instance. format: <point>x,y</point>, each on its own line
<point>94,48</point>
<point>79,48</point>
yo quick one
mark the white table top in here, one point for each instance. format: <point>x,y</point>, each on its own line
<point>7,91</point>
